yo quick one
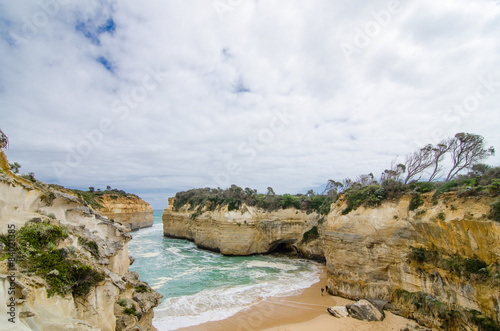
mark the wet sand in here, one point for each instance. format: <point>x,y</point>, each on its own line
<point>303,311</point>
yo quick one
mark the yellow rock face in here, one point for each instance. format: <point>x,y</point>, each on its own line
<point>130,211</point>
<point>246,231</point>
<point>367,250</point>
<point>21,202</point>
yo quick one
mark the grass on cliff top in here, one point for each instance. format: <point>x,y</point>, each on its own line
<point>94,197</point>
<point>471,184</point>
<point>234,197</point>
<point>38,253</point>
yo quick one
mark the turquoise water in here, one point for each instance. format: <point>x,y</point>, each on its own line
<point>200,286</point>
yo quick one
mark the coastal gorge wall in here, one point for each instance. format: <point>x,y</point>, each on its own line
<point>88,285</point>
<point>248,230</point>
<point>129,210</point>
<point>436,261</point>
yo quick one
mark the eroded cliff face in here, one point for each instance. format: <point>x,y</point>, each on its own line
<point>129,210</point>
<point>23,202</point>
<point>246,231</point>
<point>418,260</point>
<point>368,254</point>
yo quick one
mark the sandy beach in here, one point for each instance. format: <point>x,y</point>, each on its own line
<point>301,312</point>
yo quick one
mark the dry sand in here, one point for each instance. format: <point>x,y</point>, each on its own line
<point>301,312</point>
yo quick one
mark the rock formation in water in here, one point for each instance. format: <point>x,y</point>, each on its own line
<point>436,260</point>
<point>64,266</point>
<point>130,210</point>
<point>248,230</point>
<point>126,208</point>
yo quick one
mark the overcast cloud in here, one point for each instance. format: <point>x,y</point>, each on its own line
<point>155,97</point>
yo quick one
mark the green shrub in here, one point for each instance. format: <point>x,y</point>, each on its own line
<point>415,202</point>
<point>495,211</point>
<point>475,266</point>
<point>393,188</point>
<point>38,253</point>
<point>130,311</point>
<point>310,234</point>
<point>39,235</point>
<point>419,255</point>
<point>461,267</point>
<point>448,186</point>
<point>422,187</point>
<point>442,216</point>
<point>233,204</point>
<point>122,302</point>
<point>90,245</point>
<point>142,288</point>
<point>494,187</point>
<point>484,323</point>
<point>234,197</point>
<point>371,195</point>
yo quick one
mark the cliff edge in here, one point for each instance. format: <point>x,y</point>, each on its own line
<point>245,231</point>
<point>63,266</point>
<point>434,257</point>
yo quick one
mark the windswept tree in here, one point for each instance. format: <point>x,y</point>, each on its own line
<point>4,141</point>
<point>333,188</point>
<point>439,151</point>
<point>347,183</point>
<point>270,192</point>
<point>394,173</point>
<point>467,149</point>
<point>365,180</point>
<point>15,167</point>
<point>417,162</point>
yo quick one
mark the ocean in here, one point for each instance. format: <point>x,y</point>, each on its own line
<point>200,286</point>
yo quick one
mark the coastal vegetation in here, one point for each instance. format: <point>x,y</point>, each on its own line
<point>466,150</point>
<point>467,269</point>
<point>234,197</point>
<point>38,251</point>
<point>94,197</point>
<point>424,307</point>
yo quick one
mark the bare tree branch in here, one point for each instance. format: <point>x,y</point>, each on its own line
<point>418,161</point>
<point>466,150</point>
<point>4,141</point>
<point>439,152</point>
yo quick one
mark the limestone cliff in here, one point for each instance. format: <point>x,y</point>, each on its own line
<point>126,208</point>
<point>130,210</point>
<point>416,258</point>
<point>437,261</point>
<point>248,230</point>
<point>94,244</point>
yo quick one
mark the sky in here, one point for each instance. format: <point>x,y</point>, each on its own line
<point>156,97</point>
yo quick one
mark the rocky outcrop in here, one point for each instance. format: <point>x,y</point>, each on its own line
<point>92,240</point>
<point>248,230</point>
<point>413,258</point>
<point>129,210</point>
<point>437,262</point>
<point>364,310</point>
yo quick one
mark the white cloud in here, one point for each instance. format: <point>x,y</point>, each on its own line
<point>223,78</point>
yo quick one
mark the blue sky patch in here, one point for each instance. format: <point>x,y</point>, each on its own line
<point>106,63</point>
<point>92,32</point>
